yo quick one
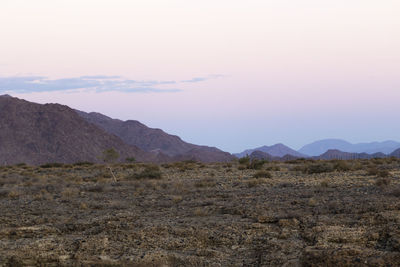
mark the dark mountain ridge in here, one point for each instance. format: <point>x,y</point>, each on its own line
<point>155,140</point>
<point>36,134</point>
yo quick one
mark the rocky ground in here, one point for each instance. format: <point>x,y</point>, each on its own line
<point>297,213</point>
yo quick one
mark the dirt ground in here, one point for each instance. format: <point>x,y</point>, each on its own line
<point>191,214</point>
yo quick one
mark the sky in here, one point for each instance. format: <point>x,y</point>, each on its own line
<point>231,74</point>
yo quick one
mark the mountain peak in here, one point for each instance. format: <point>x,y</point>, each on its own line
<point>6,95</point>
<point>276,150</point>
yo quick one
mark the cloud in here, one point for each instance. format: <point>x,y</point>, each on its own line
<point>203,79</point>
<point>100,77</point>
<point>98,83</point>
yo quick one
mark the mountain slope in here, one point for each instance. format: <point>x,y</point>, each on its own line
<point>36,134</point>
<point>149,139</point>
<point>277,150</point>
<point>319,147</point>
<point>395,153</point>
<point>337,154</point>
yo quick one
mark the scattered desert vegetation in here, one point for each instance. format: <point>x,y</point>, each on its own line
<point>245,213</point>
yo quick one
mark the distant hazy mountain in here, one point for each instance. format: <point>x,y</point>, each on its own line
<point>261,155</point>
<point>277,150</point>
<point>337,154</point>
<point>396,153</point>
<point>319,147</point>
<point>135,133</point>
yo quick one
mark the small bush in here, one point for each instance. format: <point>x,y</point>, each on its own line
<point>256,182</point>
<point>208,182</point>
<point>242,167</point>
<point>395,192</point>
<point>20,164</point>
<point>341,166</point>
<point>244,160</point>
<point>383,174</point>
<point>149,172</point>
<point>83,163</point>
<point>97,188</point>
<point>256,164</point>
<point>262,174</point>
<point>382,182</point>
<point>273,168</point>
<point>298,168</point>
<point>372,171</point>
<point>318,168</point>
<point>324,183</point>
<point>130,159</point>
<point>4,192</point>
<point>52,165</point>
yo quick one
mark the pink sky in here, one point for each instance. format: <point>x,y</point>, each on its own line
<point>277,71</point>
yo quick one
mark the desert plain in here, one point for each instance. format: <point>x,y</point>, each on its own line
<point>244,213</point>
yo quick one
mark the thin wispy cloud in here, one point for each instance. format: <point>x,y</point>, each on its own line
<point>203,79</point>
<point>100,77</point>
<point>98,83</point>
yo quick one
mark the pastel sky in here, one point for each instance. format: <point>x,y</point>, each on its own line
<point>226,73</point>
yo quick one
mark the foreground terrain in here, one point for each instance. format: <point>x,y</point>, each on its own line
<point>190,214</point>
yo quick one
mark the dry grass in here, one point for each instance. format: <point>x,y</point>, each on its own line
<point>302,212</point>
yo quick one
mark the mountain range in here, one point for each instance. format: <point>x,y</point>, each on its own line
<point>155,140</point>
<point>328,149</point>
<point>36,134</point>
<point>319,147</point>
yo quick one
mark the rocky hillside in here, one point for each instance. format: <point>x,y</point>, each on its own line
<point>155,140</point>
<point>35,134</point>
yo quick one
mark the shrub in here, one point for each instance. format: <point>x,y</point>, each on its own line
<point>298,168</point>
<point>241,167</point>
<point>382,182</point>
<point>130,159</point>
<point>256,164</point>
<point>52,165</point>
<point>20,164</point>
<point>97,188</point>
<point>149,172</point>
<point>262,174</point>
<point>324,183</point>
<point>110,155</point>
<point>273,168</point>
<point>83,163</point>
<point>318,168</point>
<point>341,166</point>
<point>383,174</point>
<point>208,182</point>
<point>395,192</point>
<point>4,192</point>
<point>244,160</point>
<point>372,171</point>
